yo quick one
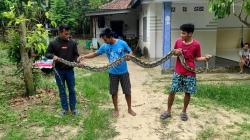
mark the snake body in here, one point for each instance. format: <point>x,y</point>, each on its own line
<point>133,59</point>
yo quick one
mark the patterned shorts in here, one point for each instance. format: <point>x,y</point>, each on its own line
<point>114,81</point>
<point>183,83</point>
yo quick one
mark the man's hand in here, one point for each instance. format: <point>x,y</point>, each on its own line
<point>80,58</point>
<point>55,58</point>
<point>207,57</point>
<point>177,51</point>
<point>203,58</point>
<point>127,57</point>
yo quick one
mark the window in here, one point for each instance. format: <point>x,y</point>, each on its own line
<point>184,9</point>
<point>196,8</point>
<point>144,29</point>
<point>173,9</point>
<point>199,8</point>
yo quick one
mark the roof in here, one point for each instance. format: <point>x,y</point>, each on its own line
<point>175,1</point>
<point>115,7</point>
<point>107,12</point>
<point>117,4</point>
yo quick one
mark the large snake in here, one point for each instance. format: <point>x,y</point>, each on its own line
<point>133,59</point>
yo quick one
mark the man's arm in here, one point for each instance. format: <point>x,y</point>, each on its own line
<point>87,56</point>
<point>203,58</point>
<point>90,55</point>
<point>128,55</point>
<point>128,51</point>
<point>197,54</point>
<point>100,51</point>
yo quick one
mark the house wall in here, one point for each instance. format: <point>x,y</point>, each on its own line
<point>229,37</point>
<point>144,14</point>
<point>155,30</point>
<point>205,26</point>
<point>217,37</point>
<point>228,42</point>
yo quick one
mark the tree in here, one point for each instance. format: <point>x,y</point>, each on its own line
<point>95,4</point>
<point>222,8</point>
<point>28,33</point>
<point>4,5</point>
<point>62,13</point>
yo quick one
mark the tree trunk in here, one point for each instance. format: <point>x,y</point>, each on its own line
<point>26,62</point>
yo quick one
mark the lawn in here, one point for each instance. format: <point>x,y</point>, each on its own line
<point>37,117</point>
<point>234,96</point>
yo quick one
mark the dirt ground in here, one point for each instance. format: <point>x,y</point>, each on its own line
<point>149,101</point>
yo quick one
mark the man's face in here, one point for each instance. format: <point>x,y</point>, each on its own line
<point>246,46</point>
<point>65,34</point>
<point>107,40</point>
<point>185,35</point>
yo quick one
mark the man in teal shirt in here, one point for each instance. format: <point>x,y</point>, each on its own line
<point>114,49</point>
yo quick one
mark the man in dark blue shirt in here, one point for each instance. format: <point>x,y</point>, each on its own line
<point>65,48</point>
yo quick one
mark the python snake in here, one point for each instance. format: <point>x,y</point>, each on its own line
<point>133,59</point>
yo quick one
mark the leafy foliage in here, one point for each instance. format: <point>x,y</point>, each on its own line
<point>36,36</point>
<point>222,8</point>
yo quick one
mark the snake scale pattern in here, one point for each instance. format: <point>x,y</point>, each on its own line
<point>133,59</point>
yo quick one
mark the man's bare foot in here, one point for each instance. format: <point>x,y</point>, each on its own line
<point>115,114</point>
<point>131,112</point>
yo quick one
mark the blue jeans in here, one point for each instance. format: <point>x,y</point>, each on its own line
<point>68,76</point>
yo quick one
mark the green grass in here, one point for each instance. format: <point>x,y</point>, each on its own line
<point>92,91</point>
<point>245,126</point>
<point>9,85</point>
<point>206,134</point>
<point>42,117</point>
<point>97,123</point>
<point>93,122</point>
<point>44,81</point>
<point>94,87</point>
<point>7,115</point>
<point>234,96</point>
<point>231,96</point>
<point>16,134</point>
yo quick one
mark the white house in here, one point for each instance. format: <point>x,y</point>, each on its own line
<point>156,24</point>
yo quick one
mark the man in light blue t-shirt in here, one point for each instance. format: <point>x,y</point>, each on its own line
<point>114,49</point>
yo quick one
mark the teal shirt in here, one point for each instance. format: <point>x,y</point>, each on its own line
<point>113,52</point>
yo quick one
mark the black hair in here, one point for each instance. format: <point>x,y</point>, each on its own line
<point>107,32</point>
<point>61,28</point>
<point>246,44</point>
<point>189,28</point>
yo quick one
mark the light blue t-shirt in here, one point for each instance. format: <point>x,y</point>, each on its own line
<point>113,52</point>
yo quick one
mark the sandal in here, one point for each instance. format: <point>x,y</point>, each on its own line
<point>184,116</point>
<point>165,115</point>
